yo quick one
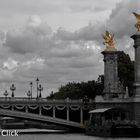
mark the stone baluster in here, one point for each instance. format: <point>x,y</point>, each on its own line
<point>53,111</point>
<point>26,108</point>
<point>67,113</point>
<point>40,110</point>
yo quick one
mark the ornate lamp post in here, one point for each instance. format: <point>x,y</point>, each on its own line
<point>31,85</point>
<point>5,94</point>
<point>12,88</point>
<point>37,81</point>
<point>40,88</point>
<point>29,94</point>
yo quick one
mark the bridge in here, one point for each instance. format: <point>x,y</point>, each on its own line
<point>40,118</point>
<point>68,113</point>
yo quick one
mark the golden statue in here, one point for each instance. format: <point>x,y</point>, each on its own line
<point>137,25</point>
<point>108,40</point>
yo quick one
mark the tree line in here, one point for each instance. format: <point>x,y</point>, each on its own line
<point>78,90</point>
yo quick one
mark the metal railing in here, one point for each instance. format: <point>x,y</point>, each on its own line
<point>42,100</point>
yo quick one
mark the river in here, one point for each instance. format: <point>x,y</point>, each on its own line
<point>54,136</point>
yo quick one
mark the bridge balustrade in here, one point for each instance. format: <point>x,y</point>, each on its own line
<point>35,99</point>
<point>70,110</point>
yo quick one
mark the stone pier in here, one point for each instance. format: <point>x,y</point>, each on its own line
<point>136,38</point>
<point>136,99</point>
<point>111,82</point>
<point>112,87</point>
<point>110,72</point>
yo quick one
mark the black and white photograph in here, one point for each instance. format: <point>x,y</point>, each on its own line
<point>69,69</point>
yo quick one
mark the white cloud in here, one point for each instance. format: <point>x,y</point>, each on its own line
<point>34,21</point>
<point>37,63</point>
<point>10,64</point>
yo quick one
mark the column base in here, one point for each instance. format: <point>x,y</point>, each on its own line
<point>112,95</point>
<point>137,89</point>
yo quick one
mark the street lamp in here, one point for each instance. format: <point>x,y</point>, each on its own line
<point>5,94</point>
<point>37,81</point>
<point>29,94</point>
<point>12,88</point>
<point>31,85</point>
<point>40,88</point>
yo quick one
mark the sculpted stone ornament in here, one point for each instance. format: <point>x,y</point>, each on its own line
<point>108,39</point>
<point>137,25</point>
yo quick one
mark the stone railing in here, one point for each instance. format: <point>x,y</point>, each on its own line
<point>26,99</point>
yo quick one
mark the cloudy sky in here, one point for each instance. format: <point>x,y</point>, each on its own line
<point>59,41</point>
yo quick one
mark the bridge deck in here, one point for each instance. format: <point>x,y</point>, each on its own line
<point>31,116</point>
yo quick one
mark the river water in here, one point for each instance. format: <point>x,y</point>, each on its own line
<point>54,136</point>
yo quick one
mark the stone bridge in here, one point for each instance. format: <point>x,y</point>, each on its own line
<point>70,113</point>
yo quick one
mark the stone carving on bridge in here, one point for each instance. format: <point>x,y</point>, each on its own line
<point>74,107</point>
<point>33,106</point>
<point>5,106</point>
<point>109,39</point>
<point>47,107</point>
<point>60,107</point>
<point>19,106</point>
<point>137,25</point>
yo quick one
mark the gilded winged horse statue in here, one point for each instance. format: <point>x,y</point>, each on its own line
<point>137,25</point>
<point>109,39</point>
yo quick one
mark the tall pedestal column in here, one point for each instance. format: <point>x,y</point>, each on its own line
<point>136,38</point>
<point>110,72</point>
<point>136,103</point>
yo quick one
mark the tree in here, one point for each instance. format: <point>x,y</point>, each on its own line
<point>126,70</point>
<point>74,90</point>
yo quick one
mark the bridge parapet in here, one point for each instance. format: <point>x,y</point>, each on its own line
<point>67,109</point>
<point>25,100</point>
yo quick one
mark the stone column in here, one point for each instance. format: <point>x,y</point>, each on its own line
<point>110,72</point>
<point>53,111</point>
<point>40,110</point>
<point>67,113</point>
<point>136,38</point>
<point>12,107</point>
<point>26,108</point>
